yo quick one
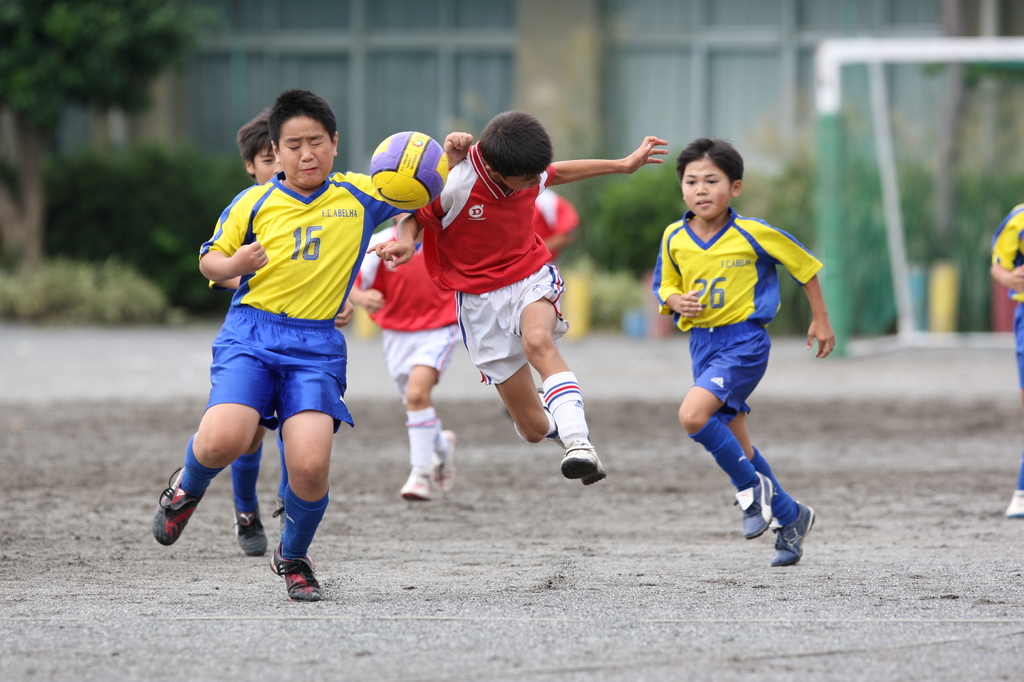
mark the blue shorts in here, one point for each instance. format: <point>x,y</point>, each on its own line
<point>1018,335</point>
<point>279,366</point>
<point>729,361</point>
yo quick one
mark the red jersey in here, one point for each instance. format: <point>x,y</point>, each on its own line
<point>554,215</point>
<point>478,238</point>
<point>412,302</point>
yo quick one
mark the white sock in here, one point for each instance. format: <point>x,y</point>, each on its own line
<point>564,401</point>
<point>441,445</point>
<point>424,428</point>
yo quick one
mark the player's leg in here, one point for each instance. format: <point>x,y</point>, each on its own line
<point>283,484</point>
<point>244,472</point>
<point>699,414</point>
<point>308,437</point>
<point>519,393</point>
<point>562,396</point>
<point>784,507</point>
<point>424,430</point>
<point>1016,508</point>
<point>225,432</point>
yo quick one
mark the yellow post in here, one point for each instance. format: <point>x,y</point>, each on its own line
<point>575,303</point>
<point>943,296</point>
<point>362,326</point>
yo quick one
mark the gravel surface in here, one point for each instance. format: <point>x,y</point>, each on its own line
<point>911,571</point>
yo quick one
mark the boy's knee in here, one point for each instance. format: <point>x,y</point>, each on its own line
<point>692,420</point>
<point>538,341</point>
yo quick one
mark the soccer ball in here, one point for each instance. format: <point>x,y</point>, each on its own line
<point>409,170</point>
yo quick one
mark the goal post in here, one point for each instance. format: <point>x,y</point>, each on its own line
<point>831,56</point>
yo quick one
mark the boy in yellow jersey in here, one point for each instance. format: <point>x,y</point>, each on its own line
<point>1008,270</point>
<point>716,275</point>
<point>297,243</point>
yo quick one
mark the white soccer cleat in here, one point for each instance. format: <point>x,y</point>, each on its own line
<point>419,486</point>
<point>581,462</point>
<point>443,474</point>
<point>1016,508</point>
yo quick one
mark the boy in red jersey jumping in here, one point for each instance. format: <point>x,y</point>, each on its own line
<point>479,242</point>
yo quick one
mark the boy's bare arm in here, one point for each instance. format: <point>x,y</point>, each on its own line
<point>648,152</point>
<point>370,300</point>
<point>456,147</point>
<point>1011,279</point>
<point>401,251</point>
<point>217,266</point>
<point>821,328</point>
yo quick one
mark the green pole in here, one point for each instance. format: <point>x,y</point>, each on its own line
<point>828,209</point>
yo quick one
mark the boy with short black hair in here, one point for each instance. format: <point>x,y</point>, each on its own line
<point>479,241</point>
<point>716,275</point>
<point>257,149</point>
<point>296,243</point>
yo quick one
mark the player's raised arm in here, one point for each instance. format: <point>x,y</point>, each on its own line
<point>456,147</point>
<point>649,151</point>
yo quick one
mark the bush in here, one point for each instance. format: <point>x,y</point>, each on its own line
<point>610,294</point>
<point>151,206</point>
<point>68,292</point>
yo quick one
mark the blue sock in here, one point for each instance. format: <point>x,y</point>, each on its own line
<point>727,451</point>
<point>761,467</point>
<point>1020,476</point>
<point>302,521</point>
<point>783,506</point>
<point>244,472</point>
<point>195,478</point>
<point>283,485</point>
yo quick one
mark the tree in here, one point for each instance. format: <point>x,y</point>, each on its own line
<point>96,53</point>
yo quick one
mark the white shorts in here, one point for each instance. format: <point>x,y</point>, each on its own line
<point>490,322</point>
<point>405,350</point>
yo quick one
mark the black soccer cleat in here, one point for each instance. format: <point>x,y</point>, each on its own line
<point>173,511</point>
<point>249,531</point>
<point>298,577</point>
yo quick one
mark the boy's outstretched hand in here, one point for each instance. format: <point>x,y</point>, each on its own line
<point>456,147</point>
<point>394,253</point>
<point>648,152</point>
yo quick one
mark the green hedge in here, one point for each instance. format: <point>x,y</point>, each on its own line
<point>151,206</point>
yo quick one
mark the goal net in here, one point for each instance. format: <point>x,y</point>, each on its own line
<point>831,59</point>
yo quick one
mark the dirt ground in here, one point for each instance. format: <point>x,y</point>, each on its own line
<point>911,571</point>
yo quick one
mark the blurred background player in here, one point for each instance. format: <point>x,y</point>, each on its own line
<point>278,357</point>
<point>479,241</point>
<point>555,220</point>
<point>419,335</point>
<point>716,275</point>
<point>261,164</point>
<point>1008,270</point>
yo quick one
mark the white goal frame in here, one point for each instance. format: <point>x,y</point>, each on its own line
<point>830,58</point>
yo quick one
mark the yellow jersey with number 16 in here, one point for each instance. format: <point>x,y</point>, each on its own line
<point>314,244</point>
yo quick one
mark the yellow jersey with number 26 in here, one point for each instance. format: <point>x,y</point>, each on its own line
<point>314,244</point>
<point>733,273</point>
